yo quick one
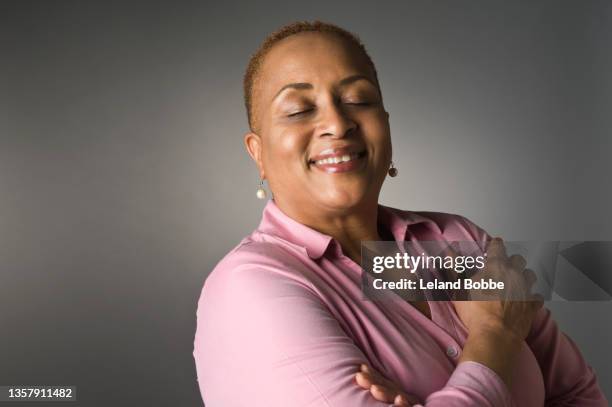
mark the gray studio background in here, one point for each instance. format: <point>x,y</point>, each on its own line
<point>123,178</point>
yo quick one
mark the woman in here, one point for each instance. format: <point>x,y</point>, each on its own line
<point>282,320</point>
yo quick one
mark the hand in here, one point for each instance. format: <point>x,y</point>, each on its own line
<point>497,329</point>
<point>382,389</point>
<point>511,316</point>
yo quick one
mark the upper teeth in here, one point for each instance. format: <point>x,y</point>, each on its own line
<point>337,159</point>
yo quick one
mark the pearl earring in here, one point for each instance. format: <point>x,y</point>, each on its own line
<point>392,171</point>
<point>261,192</point>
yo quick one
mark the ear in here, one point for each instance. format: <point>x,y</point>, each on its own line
<point>253,144</point>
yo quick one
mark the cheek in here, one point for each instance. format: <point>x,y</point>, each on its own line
<point>378,135</point>
<point>291,144</point>
<point>286,149</point>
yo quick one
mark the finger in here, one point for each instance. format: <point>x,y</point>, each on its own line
<point>381,393</point>
<point>412,400</point>
<point>364,380</point>
<point>376,377</point>
<point>401,401</point>
<point>496,248</point>
<point>518,262</point>
<point>370,377</point>
<point>528,280</point>
<point>530,277</point>
<point>537,301</point>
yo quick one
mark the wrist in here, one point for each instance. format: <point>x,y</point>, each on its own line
<point>495,348</point>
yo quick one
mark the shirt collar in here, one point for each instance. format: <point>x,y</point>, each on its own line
<point>276,223</point>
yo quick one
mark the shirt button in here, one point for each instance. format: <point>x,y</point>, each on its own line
<point>452,352</point>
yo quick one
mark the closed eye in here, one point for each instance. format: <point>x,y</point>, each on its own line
<point>301,112</point>
<point>358,103</point>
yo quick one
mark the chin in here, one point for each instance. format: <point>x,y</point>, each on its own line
<point>342,199</point>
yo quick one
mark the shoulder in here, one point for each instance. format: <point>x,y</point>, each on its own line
<point>452,226</point>
<point>263,253</point>
<point>256,267</point>
<point>455,224</point>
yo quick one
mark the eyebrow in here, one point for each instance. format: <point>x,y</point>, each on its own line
<point>305,85</point>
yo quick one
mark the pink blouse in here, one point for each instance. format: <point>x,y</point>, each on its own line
<point>282,321</point>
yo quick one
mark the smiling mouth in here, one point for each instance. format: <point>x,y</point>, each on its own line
<point>337,159</point>
<point>341,162</point>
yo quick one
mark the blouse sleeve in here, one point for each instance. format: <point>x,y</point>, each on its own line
<point>568,379</point>
<point>264,339</point>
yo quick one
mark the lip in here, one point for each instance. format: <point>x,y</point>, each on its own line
<point>356,162</point>
<point>334,152</point>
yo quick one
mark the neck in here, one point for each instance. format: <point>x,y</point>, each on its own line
<point>349,228</point>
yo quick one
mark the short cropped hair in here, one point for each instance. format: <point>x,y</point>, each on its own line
<point>256,60</point>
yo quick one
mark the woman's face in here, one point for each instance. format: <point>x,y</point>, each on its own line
<point>323,137</point>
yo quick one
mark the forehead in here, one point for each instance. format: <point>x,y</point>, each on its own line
<point>311,57</point>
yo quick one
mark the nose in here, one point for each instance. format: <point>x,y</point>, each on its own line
<point>335,122</point>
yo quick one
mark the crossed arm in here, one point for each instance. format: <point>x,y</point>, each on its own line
<point>568,380</point>
<point>274,340</point>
